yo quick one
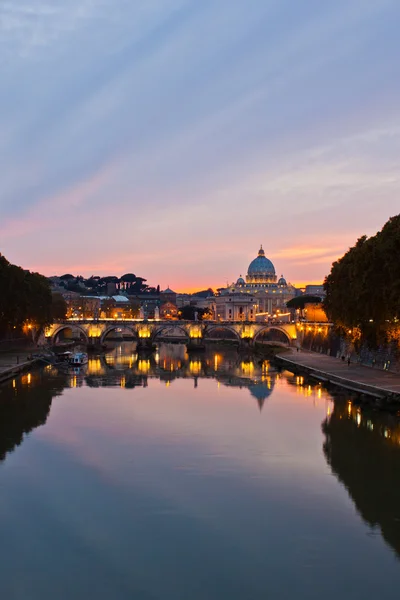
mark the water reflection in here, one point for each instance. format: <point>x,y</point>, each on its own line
<point>362,448</point>
<point>124,367</point>
<point>164,486</point>
<point>25,401</point>
<point>25,404</point>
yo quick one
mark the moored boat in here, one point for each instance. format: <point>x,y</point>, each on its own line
<point>78,359</point>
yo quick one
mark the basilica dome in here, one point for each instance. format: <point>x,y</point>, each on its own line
<point>261,268</point>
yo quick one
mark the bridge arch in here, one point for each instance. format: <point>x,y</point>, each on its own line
<point>114,328</point>
<point>276,334</point>
<point>209,331</point>
<point>157,331</point>
<point>70,326</point>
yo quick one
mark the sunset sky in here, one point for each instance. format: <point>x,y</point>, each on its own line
<point>169,138</point>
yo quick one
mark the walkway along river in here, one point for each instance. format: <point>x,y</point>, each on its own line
<point>366,380</point>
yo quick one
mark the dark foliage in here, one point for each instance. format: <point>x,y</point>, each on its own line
<point>187,313</point>
<point>363,287</point>
<point>25,297</point>
<point>301,301</point>
<point>204,293</point>
<point>58,306</point>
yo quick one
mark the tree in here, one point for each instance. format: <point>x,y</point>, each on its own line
<point>204,293</point>
<point>58,306</point>
<point>363,287</point>
<point>39,300</point>
<point>25,299</point>
<point>128,278</point>
<point>187,313</point>
<point>299,302</point>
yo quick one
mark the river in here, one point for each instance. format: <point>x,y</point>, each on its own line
<point>205,477</point>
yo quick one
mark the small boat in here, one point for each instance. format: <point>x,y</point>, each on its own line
<point>63,358</point>
<point>77,359</point>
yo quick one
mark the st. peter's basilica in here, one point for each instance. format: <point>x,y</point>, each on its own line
<point>262,293</point>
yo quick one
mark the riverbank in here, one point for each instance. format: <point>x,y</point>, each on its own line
<point>380,385</point>
<point>14,363</point>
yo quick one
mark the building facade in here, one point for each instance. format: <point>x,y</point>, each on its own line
<point>261,296</point>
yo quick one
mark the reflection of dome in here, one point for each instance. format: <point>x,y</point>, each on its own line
<point>261,267</point>
<point>240,281</point>
<point>261,392</point>
<point>282,281</point>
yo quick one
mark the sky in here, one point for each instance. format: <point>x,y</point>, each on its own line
<point>170,138</point>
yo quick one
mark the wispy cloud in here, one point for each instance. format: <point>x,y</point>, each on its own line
<point>194,131</point>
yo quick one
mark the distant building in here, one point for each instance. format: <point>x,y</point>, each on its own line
<point>168,310</point>
<point>235,306</point>
<point>269,293</point>
<point>315,290</point>
<point>168,295</point>
<point>183,300</point>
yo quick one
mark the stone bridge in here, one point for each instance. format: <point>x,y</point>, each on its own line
<point>95,331</point>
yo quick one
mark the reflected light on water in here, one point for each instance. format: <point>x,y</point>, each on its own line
<point>227,478</point>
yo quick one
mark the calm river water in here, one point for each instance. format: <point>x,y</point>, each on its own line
<point>211,477</point>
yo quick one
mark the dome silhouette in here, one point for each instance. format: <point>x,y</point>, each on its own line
<point>261,267</point>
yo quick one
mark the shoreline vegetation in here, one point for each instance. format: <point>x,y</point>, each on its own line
<point>27,304</point>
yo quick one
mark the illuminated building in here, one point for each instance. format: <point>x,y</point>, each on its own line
<point>168,310</point>
<point>168,307</point>
<point>235,306</point>
<point>262,295</point>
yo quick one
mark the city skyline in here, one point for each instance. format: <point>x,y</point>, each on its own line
<point>170,138</point>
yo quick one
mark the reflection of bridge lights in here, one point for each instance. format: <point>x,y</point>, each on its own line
<point>14,384</point>
<point>216,360</point>
<point>144,366</point>
<point>247,367</point>
<point>358,418</point>
<point>349,407</point>
<point>195,367</point>
<point>94,366</point>
<point>123,381</point>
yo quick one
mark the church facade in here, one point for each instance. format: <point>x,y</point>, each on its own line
<point>261,296</point>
